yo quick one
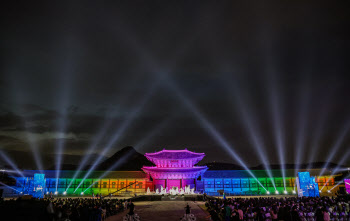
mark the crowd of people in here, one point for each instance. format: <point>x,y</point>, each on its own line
<point>249,209</point>
<point>286,209</point>
<point>65,209</point>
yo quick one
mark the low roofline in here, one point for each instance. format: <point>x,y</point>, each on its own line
<point>174,151</point>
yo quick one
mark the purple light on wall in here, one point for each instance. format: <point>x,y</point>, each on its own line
<point>347,185</point>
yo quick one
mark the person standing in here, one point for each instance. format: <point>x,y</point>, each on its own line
<point>240,213</point>
<point>326,216</point>
<point>131,208</point>
<point>273,213</point>
<point>227,212</point>
<point>319,214</point>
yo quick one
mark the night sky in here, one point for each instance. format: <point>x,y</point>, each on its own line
<point>142,72</point>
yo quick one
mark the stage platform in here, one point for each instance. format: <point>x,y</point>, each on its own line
<point>193,197</point>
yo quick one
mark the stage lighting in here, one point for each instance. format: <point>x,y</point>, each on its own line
<point>328,191</point>
<point>82,193</point>
<point>21,192</point>
<point>285,192</point>
<point>47,193</point>
<point>56,192</point>
<point>268,192</point>
<point>64,193</point>
<point>294,192</point>
<point>277,192</point>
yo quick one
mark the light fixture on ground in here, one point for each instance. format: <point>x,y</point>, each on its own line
<point>294,192</point>
<point>328,191</point>
<point>268,192</point>
<point>64,193</point>
<point>56,192</point>
<point>276,192</point>
<point>285,192</point>
<point>82,193</point>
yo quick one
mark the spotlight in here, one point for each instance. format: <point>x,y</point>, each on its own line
<point>277,192</point>
<point>328,191</point>
<point>82,193</point>
<point>47,193</point>
<point>268,192</point>
<point>64,193</point>
<point>56,193</point>
<point>21,192</point>
<point>320,191</point>
<point>285,192</point>
<point>294,192</point>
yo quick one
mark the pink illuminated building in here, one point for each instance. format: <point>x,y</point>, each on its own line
<point>175,168</point>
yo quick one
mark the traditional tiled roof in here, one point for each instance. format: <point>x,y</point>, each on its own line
<point>174,154</point>
<point>69,174</point>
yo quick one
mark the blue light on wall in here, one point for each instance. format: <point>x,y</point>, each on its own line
<point>308,186</point>
<point>39,186</point>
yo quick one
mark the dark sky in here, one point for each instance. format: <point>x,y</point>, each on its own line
<point>262,75</point>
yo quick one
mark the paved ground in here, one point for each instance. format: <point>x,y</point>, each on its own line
<point>164,211</point>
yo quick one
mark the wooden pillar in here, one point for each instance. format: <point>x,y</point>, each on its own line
<point>223,185</point>
<point>249,184</point>
<point>232,185</point>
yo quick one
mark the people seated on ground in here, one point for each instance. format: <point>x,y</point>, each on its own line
<point>287,208</point>
<point>73,209</point>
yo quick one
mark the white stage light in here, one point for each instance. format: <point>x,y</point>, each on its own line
<point>82,193</point>
<point>294,192</point>
<point>56,193</point>
<point>268,192</point>
<point>277,192</point>
<point>285,192</point>
<point>64,193</point>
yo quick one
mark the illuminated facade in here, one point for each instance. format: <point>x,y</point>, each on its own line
<point>173,168</point>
